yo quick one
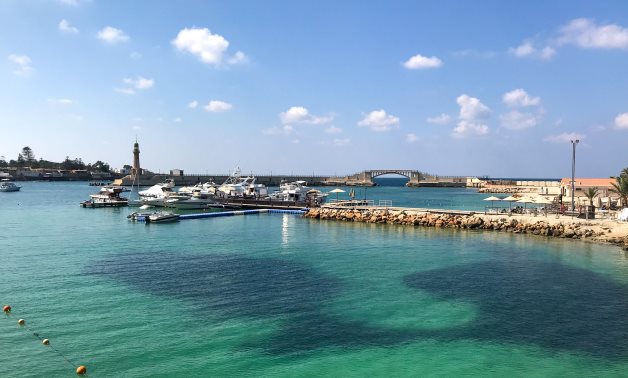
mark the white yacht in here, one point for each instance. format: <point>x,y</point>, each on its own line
<point>8,186</point>
<point>106,197</point>
<point>237,186</point>
<point>157,194</point>
<point>291,191</point>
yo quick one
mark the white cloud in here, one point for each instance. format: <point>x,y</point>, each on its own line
<point>60,101</point>
<point>472,117</point>
<point>528,50</point>
<point>23,63</point>
<point>283,130</point>
<point>126,91</point>
<point>516,120</point>
<point>333,130</point>
<point>65,27</point>
<point>563,138</point>
<point>73,3</point>
<point>585,33</point>
<point>341,142</point>
<point>112,35</point>
<point>238,58</point>
<point>193,104</point>
<point>299,114</point>
<point>218,106</point>
<point>411,138</point>
<point>210,48</point>
<point>296,141</point>
<point>519,98</point>
<point>135,55</point>
<point>621,121</point>
<point>139,82</point>
<point>294,114</point>
<point>443,119</point>
<point>378,120</point>
<point>418,62</point>
<point>177,120</point>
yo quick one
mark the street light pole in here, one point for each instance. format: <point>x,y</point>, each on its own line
<point>573,174</point>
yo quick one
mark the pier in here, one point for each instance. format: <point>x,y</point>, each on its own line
<point>240,212</point>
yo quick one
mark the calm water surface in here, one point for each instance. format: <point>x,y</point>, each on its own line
<point>277,295</point>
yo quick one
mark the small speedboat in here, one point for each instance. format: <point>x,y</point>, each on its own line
<point>163,217</point>
<point>8,186</point>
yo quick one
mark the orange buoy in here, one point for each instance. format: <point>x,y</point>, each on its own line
<point>21,322</point>
<point>45,341</point>
<point>81,370</point>
<point>6,309</point>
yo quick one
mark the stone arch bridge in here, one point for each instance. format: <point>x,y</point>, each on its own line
<point>366,177</point>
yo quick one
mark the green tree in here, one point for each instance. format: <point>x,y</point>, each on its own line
<point>620,186</point>
<point>28,155</point>
<point>3,162</point>
<point>590,193</point>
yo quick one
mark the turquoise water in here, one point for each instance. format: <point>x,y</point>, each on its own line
<point>281,296</point>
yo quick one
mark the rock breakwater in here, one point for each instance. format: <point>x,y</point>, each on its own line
<point>470,221</point>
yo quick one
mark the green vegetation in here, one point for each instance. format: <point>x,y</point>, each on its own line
<point>590,193</point>
<point>621,186</point>
<point>26,158</point>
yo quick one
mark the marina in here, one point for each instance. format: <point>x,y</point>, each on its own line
<point>314,189</point>
<point>300,274</point>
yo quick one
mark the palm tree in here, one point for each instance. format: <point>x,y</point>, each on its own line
<point>590,193</point>
<point>621,186</point>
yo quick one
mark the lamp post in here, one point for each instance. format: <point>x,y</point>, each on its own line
<point>573,174</point>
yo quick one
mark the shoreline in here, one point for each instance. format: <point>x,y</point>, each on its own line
<point>604,231</point>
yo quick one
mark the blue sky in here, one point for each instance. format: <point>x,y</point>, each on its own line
<point>327,87</point>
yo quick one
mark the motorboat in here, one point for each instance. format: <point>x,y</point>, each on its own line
<point>190,203</point>
<point>199,189</point>
<point>291,191</point>
<point>238,186</point>
<point>157,194</point>
<point>106,197</point>
<point>153,217</point>
<point>163,217</point>
<point>8,186</point>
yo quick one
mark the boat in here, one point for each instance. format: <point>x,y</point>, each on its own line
<point>238,186</point>
<point>106,197</point>
<point>163,217</point>
<point>139,216</point>
<point>8,186</point>
<point>157,194</point>
<point>153,217</point>
<point>190,203</point>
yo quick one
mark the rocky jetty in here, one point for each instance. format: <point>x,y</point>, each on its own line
<point>470,221</point>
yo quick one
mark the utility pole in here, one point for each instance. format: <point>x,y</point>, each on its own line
<point>573,174</point>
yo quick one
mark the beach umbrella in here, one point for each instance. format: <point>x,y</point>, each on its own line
<point>337,190</point>
<point>492,199</point>
<point>510,200</point>
<point>524,201</point>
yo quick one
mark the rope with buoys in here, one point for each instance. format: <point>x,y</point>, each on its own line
<point>80,369</point>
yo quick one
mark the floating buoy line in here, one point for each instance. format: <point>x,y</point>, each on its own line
<point>80,369</point>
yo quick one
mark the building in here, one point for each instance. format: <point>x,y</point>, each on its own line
<point>604,186</point>
<point>136,170</point>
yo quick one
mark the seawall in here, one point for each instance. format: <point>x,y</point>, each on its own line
<point>566,228</point>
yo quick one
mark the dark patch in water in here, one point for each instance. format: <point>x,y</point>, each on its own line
<point>231,285</point>
<point>552,305</point>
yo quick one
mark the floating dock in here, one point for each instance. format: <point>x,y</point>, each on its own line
<point>241,212</point>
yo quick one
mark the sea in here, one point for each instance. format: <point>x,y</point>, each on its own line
<point>278,295</point>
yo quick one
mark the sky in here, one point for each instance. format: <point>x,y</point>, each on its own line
<point>319,87</point>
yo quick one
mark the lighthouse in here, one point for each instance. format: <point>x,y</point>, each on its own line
<point>136,170</point>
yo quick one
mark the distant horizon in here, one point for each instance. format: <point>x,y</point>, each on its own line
<point>319,87</point>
